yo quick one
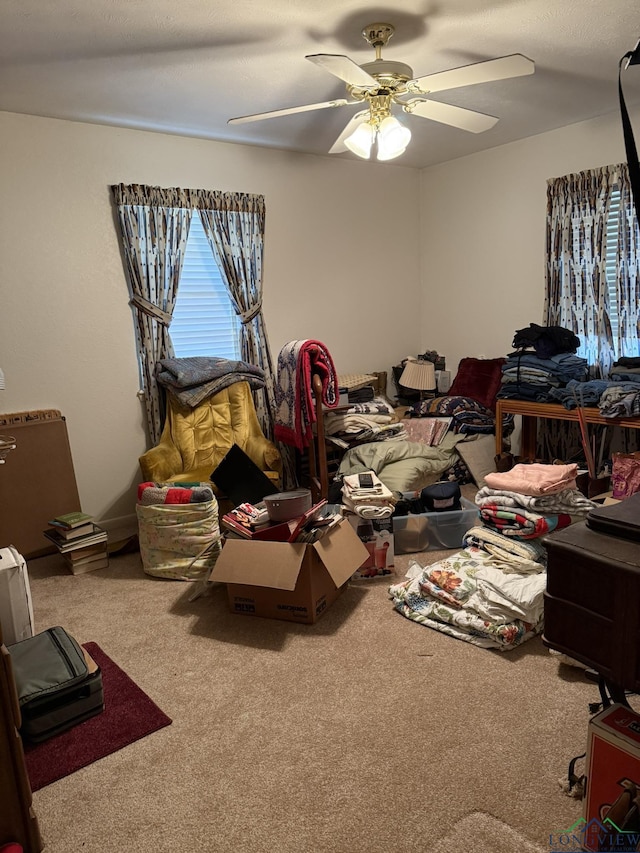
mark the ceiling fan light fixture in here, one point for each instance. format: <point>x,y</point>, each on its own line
<point>361,140</point>
<point>382,84</point>
<point>393,138</point>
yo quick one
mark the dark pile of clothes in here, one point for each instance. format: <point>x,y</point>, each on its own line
<point>544,359</point>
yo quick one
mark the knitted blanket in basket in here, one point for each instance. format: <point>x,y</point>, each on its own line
<point>150,494</point>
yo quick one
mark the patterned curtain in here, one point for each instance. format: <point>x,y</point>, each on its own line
<point>154,225</point>
<point>577,296</point>
<point>234,225</point>
<point>628,271</point>
<point>577,293</point>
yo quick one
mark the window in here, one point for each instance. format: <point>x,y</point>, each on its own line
<point>593,264</point>
<point>203,322</point>
<point>612,227</point>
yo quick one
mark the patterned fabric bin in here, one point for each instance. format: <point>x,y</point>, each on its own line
<point>179,541</point>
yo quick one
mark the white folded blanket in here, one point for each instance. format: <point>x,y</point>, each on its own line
<point>569,501</point>
<point>382,510</point>
<point>503,597</point>
<point>353,491</point>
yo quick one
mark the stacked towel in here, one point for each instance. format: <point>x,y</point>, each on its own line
<point>508,554</point>
<point>376,501</point>
<point>531,500</point>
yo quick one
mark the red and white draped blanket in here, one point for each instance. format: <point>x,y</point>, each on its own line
<point>296,414</point>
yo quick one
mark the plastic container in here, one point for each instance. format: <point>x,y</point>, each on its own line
<point>433,531</point>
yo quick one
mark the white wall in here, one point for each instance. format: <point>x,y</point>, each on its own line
<point>351,249</point>
<point>483,235</point>
<point>341,265</point>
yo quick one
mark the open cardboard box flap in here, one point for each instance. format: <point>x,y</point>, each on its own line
<point>278,564</point>
<point>270,564</point>
<point>341,550</point>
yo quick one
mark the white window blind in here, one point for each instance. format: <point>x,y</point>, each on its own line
<point>613,229</point>
<point>203,322</point>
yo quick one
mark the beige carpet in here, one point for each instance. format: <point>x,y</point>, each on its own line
<point>482,833</point>
<point>364,733</point>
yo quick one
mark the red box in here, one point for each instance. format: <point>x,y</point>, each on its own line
<point>613,765</point>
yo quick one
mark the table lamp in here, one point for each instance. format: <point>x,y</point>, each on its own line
<point>419,375</point>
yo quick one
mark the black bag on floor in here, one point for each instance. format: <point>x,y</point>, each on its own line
<point>59,685</point>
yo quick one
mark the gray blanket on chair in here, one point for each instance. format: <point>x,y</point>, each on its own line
<point>192,380</point>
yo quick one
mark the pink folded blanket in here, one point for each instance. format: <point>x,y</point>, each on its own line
<point>535,479</point>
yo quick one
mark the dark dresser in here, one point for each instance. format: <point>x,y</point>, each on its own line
<point>17,820</point>
<point>592,602</point>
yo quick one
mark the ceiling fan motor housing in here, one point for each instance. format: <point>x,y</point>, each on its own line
<point>388,72</point>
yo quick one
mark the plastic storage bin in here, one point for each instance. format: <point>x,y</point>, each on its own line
<point>433,531</point>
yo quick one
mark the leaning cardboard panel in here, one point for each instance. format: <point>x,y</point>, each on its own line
<point>37,481</point>
<point>290,581</point>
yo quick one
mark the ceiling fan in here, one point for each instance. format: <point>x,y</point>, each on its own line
<point>379,84</point>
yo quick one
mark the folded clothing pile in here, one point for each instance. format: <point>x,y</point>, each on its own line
<point>150,494</point>
<point>531,500</point>
<point>468,597</point>
<point>364,421</point>
<point>367,496</point>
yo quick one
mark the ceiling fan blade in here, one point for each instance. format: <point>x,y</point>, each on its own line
<point>339,146</point>
<point>448,114</point>
<point>340,102</point>
<point>343,68</point>
<point>515,65</point>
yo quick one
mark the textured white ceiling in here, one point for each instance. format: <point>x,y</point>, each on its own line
<point>187,66</point>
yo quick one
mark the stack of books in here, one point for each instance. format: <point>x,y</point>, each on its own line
<point>82,543</point>
<point>250,521</point>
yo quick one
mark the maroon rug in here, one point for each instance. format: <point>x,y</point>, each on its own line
<point>129,714</point>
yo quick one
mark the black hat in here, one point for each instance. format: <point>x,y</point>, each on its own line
<point>441,497</point>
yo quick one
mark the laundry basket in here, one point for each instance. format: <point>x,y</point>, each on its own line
<point>179,541</point>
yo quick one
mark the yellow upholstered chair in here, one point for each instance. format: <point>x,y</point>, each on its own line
<point>194,441</point>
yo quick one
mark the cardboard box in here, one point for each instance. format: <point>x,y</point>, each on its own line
<point>428,531</point>
<point>377,536</point>
<point>290,581</point>
<point>613,764</point>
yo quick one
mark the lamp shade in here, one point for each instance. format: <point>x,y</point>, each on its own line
<point>393,138</point>
<point>361,140</point>
<point>419,375</point>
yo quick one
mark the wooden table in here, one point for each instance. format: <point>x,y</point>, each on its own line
<point>530,412</point>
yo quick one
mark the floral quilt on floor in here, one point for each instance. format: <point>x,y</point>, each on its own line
<point>466,596</point>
